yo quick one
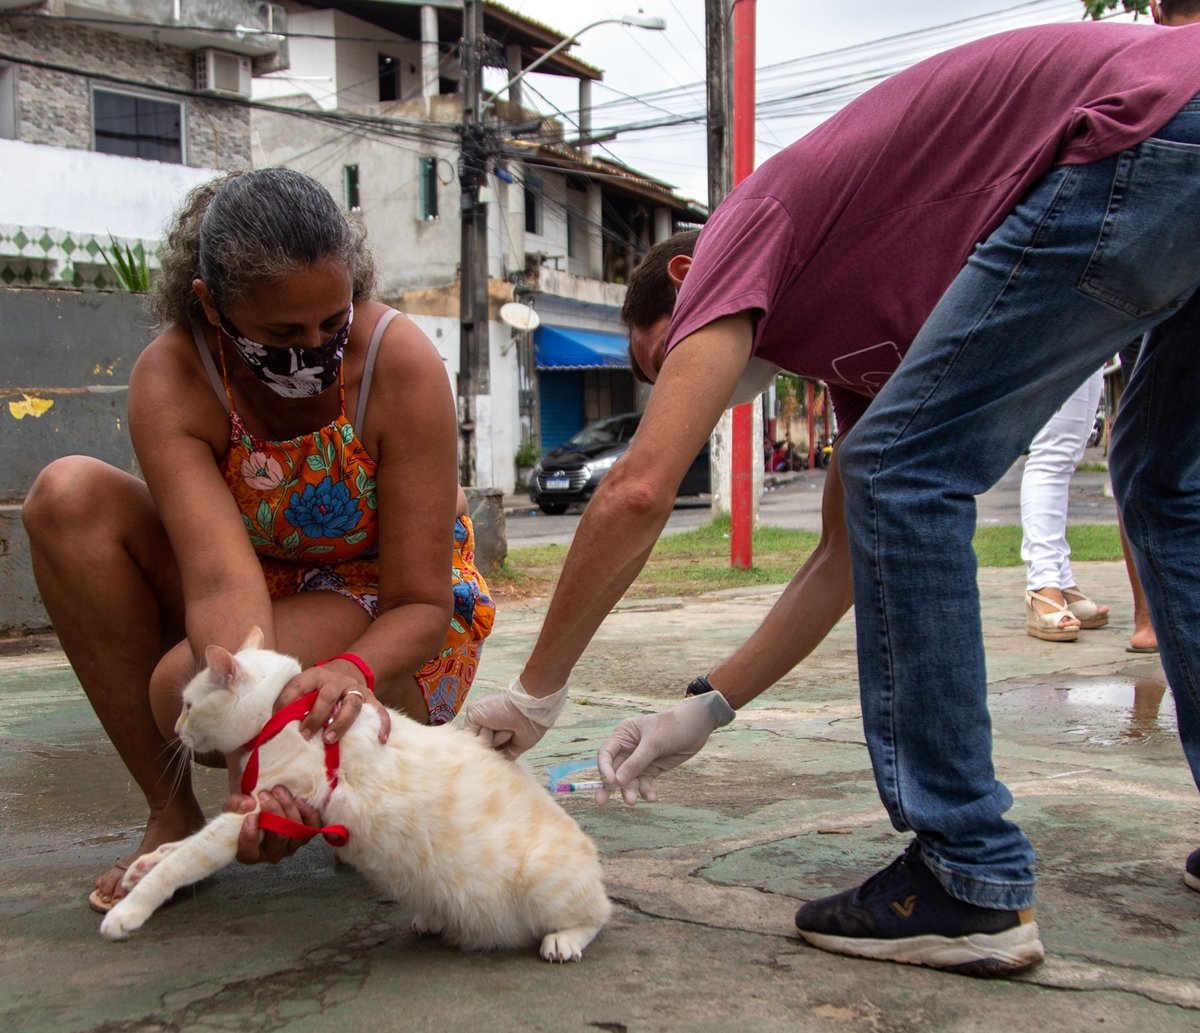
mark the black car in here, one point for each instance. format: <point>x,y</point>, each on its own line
<point>573,471</point>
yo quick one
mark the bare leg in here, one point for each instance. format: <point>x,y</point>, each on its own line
<point>106,575</point>
<point>1143,639</point>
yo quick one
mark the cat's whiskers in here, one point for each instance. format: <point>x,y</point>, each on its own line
<point>179,764</point>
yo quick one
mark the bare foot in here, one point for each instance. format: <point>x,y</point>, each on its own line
<point>164,827</point>
<point>1143,639</point>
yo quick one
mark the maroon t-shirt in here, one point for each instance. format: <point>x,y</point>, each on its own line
<point>843,243</point>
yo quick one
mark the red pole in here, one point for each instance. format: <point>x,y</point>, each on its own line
<point>812,424</point>
<point>741,543</point>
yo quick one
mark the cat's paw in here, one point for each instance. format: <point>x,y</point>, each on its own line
<point>564,945</point>
<point>123,919</point>
<point>426,925</point>
<point>139,868</point>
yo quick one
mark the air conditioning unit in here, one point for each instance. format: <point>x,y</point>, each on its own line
<point>218,71</point>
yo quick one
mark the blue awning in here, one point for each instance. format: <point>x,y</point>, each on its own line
<point>565,347</point>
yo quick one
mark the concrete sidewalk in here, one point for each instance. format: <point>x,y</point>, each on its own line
<point>781,807</point>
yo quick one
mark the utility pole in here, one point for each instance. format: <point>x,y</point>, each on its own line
<point>719,61</point>
<point>474,377</point>
<point>720,100</point>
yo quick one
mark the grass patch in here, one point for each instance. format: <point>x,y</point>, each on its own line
<point>697,561</point>
<point>681,564</point>
<point>1001,546</point>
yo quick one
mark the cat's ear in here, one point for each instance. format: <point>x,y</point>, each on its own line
<point>254,639</point>
<point>222,665</point>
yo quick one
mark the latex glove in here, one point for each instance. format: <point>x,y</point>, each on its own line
<point>513,721</point>
<point>642,748</point>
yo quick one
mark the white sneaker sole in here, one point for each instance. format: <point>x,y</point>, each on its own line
<point>1013,950</point>
<point>1192,880</point>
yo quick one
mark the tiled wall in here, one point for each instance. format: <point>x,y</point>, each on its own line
<point>44,256</point>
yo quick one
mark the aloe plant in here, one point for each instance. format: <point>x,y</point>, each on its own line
<point>129,268</point>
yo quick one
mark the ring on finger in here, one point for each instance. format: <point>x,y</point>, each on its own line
<point>354,692</point>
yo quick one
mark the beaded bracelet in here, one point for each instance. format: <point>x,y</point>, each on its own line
<point>358,662</point>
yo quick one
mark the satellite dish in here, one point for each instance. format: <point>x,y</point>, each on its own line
<point>520,317</point>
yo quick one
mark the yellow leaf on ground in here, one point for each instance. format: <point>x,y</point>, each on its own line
<point>29,406</point>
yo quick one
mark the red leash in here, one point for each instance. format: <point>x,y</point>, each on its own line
<point>297,710</point>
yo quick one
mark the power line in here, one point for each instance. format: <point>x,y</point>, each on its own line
<point>387,125</point>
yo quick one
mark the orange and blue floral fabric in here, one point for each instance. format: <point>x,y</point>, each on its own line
<point>308,505</point>
<point>310,499</point>
<point>446,678</point>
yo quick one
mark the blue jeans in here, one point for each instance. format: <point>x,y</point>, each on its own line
<point>1094,256</point>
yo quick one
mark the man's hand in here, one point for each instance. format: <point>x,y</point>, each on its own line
<point>513,721</point>
<point>642,748</point>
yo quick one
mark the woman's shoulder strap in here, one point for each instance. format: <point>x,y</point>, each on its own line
<point>364,388</point>
<point>209,365</point>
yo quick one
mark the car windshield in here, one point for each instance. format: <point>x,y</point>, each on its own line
<point>605,432</point>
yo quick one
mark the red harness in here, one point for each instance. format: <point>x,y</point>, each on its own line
<point>297,710</point>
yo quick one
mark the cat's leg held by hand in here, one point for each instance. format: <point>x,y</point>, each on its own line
<point>256,846</point>
<point>201,854</point>
<point>568,944</point>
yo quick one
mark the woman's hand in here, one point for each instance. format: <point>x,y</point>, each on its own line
<point>256,846</point>
<point>342,696</point>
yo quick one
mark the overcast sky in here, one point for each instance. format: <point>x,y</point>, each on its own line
<point>658,75</point>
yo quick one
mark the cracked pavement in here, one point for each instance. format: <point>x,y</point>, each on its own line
<point>780,807</point>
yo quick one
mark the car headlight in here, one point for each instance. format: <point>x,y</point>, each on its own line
<point>602,464</point>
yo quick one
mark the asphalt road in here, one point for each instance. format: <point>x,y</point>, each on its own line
<point>796,505</point>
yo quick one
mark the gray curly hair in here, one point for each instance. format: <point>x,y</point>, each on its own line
<point>246,228</point>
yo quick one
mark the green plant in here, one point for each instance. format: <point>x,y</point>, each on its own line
<point>1097,9</point>
<point>528,453</point>
<point>128,266</point>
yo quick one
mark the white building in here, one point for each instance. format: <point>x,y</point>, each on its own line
<point>110,110</point>
<point>380,88</point>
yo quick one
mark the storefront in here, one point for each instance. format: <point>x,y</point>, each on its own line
<point>583,375</point>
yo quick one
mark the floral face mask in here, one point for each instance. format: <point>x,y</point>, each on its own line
<point>292,372</point>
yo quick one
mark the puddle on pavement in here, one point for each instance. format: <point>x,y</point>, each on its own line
<point>1107,711</point>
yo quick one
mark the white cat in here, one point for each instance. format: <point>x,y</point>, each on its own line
<point>439,822</point>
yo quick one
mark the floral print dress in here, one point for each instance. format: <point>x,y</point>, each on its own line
<point>308,504</point>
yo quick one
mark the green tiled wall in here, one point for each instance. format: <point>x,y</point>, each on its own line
<point>43,256</point>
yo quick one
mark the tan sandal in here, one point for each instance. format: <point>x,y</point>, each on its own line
<point>1085,609</point>
<point>103,905</point>
<point>1048,626</point>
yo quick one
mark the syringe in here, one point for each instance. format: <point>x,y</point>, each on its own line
<point>578,787</point>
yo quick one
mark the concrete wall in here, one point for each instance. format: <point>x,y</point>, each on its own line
<point>64,381</point>
<point>88,193</point>
<point>409,252</point>
<point>56,108</point>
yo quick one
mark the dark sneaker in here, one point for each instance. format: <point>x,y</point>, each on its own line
<point>1191,872</point>
<point>903,914</point>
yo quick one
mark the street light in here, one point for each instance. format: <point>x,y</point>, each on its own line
<point>636,21</point>
<point>474,374</point>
